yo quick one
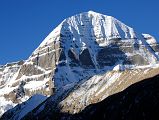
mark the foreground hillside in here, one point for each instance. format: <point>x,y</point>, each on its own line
<point>140,101</point>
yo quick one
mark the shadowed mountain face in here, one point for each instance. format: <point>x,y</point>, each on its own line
<point>140,101</point>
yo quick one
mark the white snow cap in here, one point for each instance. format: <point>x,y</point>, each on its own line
<point>150,39</point>
<point>91,24</point>
<point>106,26</point>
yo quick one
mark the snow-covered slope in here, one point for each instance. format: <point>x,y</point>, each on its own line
<point>21,110</point>
<point>8,74</point>
<point>152,42</point>
<point>149,39</point>
<point>88,52</point>
<point>92,91</point>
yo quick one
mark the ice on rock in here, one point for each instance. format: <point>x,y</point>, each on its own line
<point>150,39</point>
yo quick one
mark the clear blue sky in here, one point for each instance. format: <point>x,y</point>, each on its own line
<point>25,23</point>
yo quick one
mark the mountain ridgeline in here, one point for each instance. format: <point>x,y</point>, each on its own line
<point>84,60</point>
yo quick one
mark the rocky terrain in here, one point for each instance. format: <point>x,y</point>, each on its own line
<point>140,101</point>
<point>85,59</point>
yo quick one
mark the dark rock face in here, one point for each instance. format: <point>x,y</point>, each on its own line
<point>74,58</point>
<point>20,91</point>
<point>138,59</point>
<point>109,56</point>
<point>62,56</point>
<point>85,59</point>
<point>28,70</point>
<point>140,101</point>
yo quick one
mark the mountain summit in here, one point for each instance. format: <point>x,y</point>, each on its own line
<point>85,59</point>
<point>95,24</point>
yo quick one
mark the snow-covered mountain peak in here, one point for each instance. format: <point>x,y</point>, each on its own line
<point>52,36</point>
<point>99,25</point>
<point>85,54</point>
<point>91,25</point>
<point>92,12</point>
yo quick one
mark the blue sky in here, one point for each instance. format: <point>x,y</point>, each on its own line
<point>25,23</point>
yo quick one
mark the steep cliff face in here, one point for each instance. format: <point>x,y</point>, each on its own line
<point>80,62</point>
